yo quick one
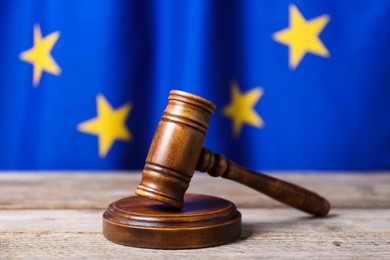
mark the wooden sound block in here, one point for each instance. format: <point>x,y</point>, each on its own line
<point>203,221</point>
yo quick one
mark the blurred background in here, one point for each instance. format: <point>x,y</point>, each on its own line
<point>299,85</point>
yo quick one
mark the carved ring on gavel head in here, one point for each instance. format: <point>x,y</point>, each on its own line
<point>177,151</point>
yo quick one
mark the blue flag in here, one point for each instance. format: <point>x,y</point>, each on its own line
<point>299,85</point>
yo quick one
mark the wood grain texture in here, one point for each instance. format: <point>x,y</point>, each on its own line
<point>267,233</point>
<point>68,190</point>
<point>59,215</point>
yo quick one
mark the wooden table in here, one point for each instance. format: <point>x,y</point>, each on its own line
<point>52,215</point>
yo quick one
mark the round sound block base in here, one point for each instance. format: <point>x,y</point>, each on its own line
<point>140,222</point>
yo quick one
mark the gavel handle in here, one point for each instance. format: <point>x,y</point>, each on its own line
<point>290,194</point>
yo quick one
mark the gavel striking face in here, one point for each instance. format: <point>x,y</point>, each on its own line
<point>177,151</point>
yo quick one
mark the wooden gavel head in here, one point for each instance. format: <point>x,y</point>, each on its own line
<point>176,148</point>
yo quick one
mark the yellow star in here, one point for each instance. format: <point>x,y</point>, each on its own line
<point>39,55</point>
<point>302,36</point>
<point>108,125</point>
<point>241,109</point>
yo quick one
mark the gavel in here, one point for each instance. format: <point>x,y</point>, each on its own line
<point>177,151</point>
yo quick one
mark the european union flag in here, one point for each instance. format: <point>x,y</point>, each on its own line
<point>299,85</point>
